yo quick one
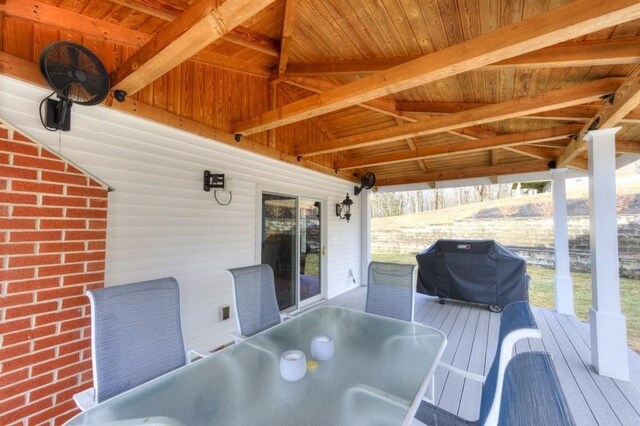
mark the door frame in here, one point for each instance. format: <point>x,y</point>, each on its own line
<point>275,190</point>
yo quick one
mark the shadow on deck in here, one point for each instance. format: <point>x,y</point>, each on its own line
<point>472,332</point>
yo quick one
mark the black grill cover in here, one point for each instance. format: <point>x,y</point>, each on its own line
<point>480,271</point>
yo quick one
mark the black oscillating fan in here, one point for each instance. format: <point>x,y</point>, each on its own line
<point>366,182</point>
<point>76,75</point>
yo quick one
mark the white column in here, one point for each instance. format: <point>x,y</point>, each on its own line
<point>365,235</point>
<point>563,288</point>
<point>609,351</point>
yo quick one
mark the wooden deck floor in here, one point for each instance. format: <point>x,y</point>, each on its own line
<point>472,335</point>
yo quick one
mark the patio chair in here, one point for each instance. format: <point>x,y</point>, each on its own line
<point>136,336</point>
<point>391,290</point>
<point>531,395</point>
<point>254,294</point>
<point>516,322</point>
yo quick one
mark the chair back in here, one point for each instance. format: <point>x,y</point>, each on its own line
<point>391,290</point>
<point>516,322</point>
<point>136,334</point>
<point>532,393</point>
<point>255,300</point>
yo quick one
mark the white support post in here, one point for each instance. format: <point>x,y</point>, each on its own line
<point>563,288</point>
<point>609,351</point>
<point>365,236</point>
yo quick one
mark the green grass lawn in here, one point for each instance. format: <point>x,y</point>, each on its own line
<point>541,293</point>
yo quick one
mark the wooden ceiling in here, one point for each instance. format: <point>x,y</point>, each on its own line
<point>412,90</point>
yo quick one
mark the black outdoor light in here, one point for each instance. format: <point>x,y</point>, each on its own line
<point>343,210</point>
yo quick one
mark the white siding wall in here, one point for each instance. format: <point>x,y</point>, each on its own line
<point>162,223</point>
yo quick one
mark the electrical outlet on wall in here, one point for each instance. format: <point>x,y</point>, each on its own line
<point>225,312</point>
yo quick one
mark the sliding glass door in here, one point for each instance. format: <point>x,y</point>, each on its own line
<point>292,245</point>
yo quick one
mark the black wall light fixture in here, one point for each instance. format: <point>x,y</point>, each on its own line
<point>216,182</point>
<point>343,210</point>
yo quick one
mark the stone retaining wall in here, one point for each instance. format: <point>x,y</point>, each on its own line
<point>532,238</point>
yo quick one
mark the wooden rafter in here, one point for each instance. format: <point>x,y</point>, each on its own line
<point>622,50</point>
<point>197,27</point>
<point>288,25</point>
<point>466,173</point>
<point>575,113</point>
<point>381,105</point>
<point>584,93</point>
<point>459,147</point>
<point>317,123</point>
<point>546,29</point>
<point>240,35</point>
<point>625,99</point>
<point>43,13</point>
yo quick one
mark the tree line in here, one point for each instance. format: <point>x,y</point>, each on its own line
<point>398,203</point>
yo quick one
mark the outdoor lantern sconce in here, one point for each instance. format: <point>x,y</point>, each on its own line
<point>343,210</point>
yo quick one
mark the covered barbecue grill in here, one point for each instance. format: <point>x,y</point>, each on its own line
<point>480,271</point>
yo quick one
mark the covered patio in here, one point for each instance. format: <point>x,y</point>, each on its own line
<point>295,101</point>
<point>472,335</point>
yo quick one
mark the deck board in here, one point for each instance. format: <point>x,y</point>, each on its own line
<point>472,333</point>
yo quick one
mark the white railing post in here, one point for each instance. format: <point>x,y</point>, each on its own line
<point>365,235</point>
<point>609,351</point>
<point>563,285</point>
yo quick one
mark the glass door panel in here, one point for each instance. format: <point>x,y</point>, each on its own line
<point>279,226</point>
<point>310,248</point>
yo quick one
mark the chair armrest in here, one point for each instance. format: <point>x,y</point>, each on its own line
<point>192,353</point>
<point>466,374</point>
<point>85,399</point>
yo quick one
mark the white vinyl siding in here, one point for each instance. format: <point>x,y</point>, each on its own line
<point>162,223</point>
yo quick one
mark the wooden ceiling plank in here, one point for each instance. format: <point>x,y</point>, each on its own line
<point>616,51</point>
<point>383,106</point>
<point>50,15</point>
<point>316,122</point>
<point>197,27</point>
<point>240,35</point>
<point>584,93</point>
<point>43,13</point>
<point>533,33</point>
<point>625,99</point>
<point>458,147</point>
<point>466,173</point>
<point>628,147</point>
<point>288,26</point>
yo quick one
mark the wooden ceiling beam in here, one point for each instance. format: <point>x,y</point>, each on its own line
<point>288,26</point>
<point>625,99</point>
<point>466,173</point>
<point>239,35</point>
<point>317,85</point>
<point>574,113</point>
<point>583,93</point>
<point>533,33</point>
<point>459,147</point>
<point>616,51</point>
<point>197,27</point>
<point>381,105</point>
<point>42,13</point>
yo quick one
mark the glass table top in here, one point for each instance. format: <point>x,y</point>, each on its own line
<point>377,376</point>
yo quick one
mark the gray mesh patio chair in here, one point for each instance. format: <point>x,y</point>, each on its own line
<point>254,294</point>
<point>516,322</point>
<point>531,396</point>
<point>136,336</point>
<point>391,290</point>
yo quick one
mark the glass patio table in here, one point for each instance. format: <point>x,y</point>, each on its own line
<point>379,371</point>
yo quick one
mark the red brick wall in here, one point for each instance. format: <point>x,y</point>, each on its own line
<point>52,249</point>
